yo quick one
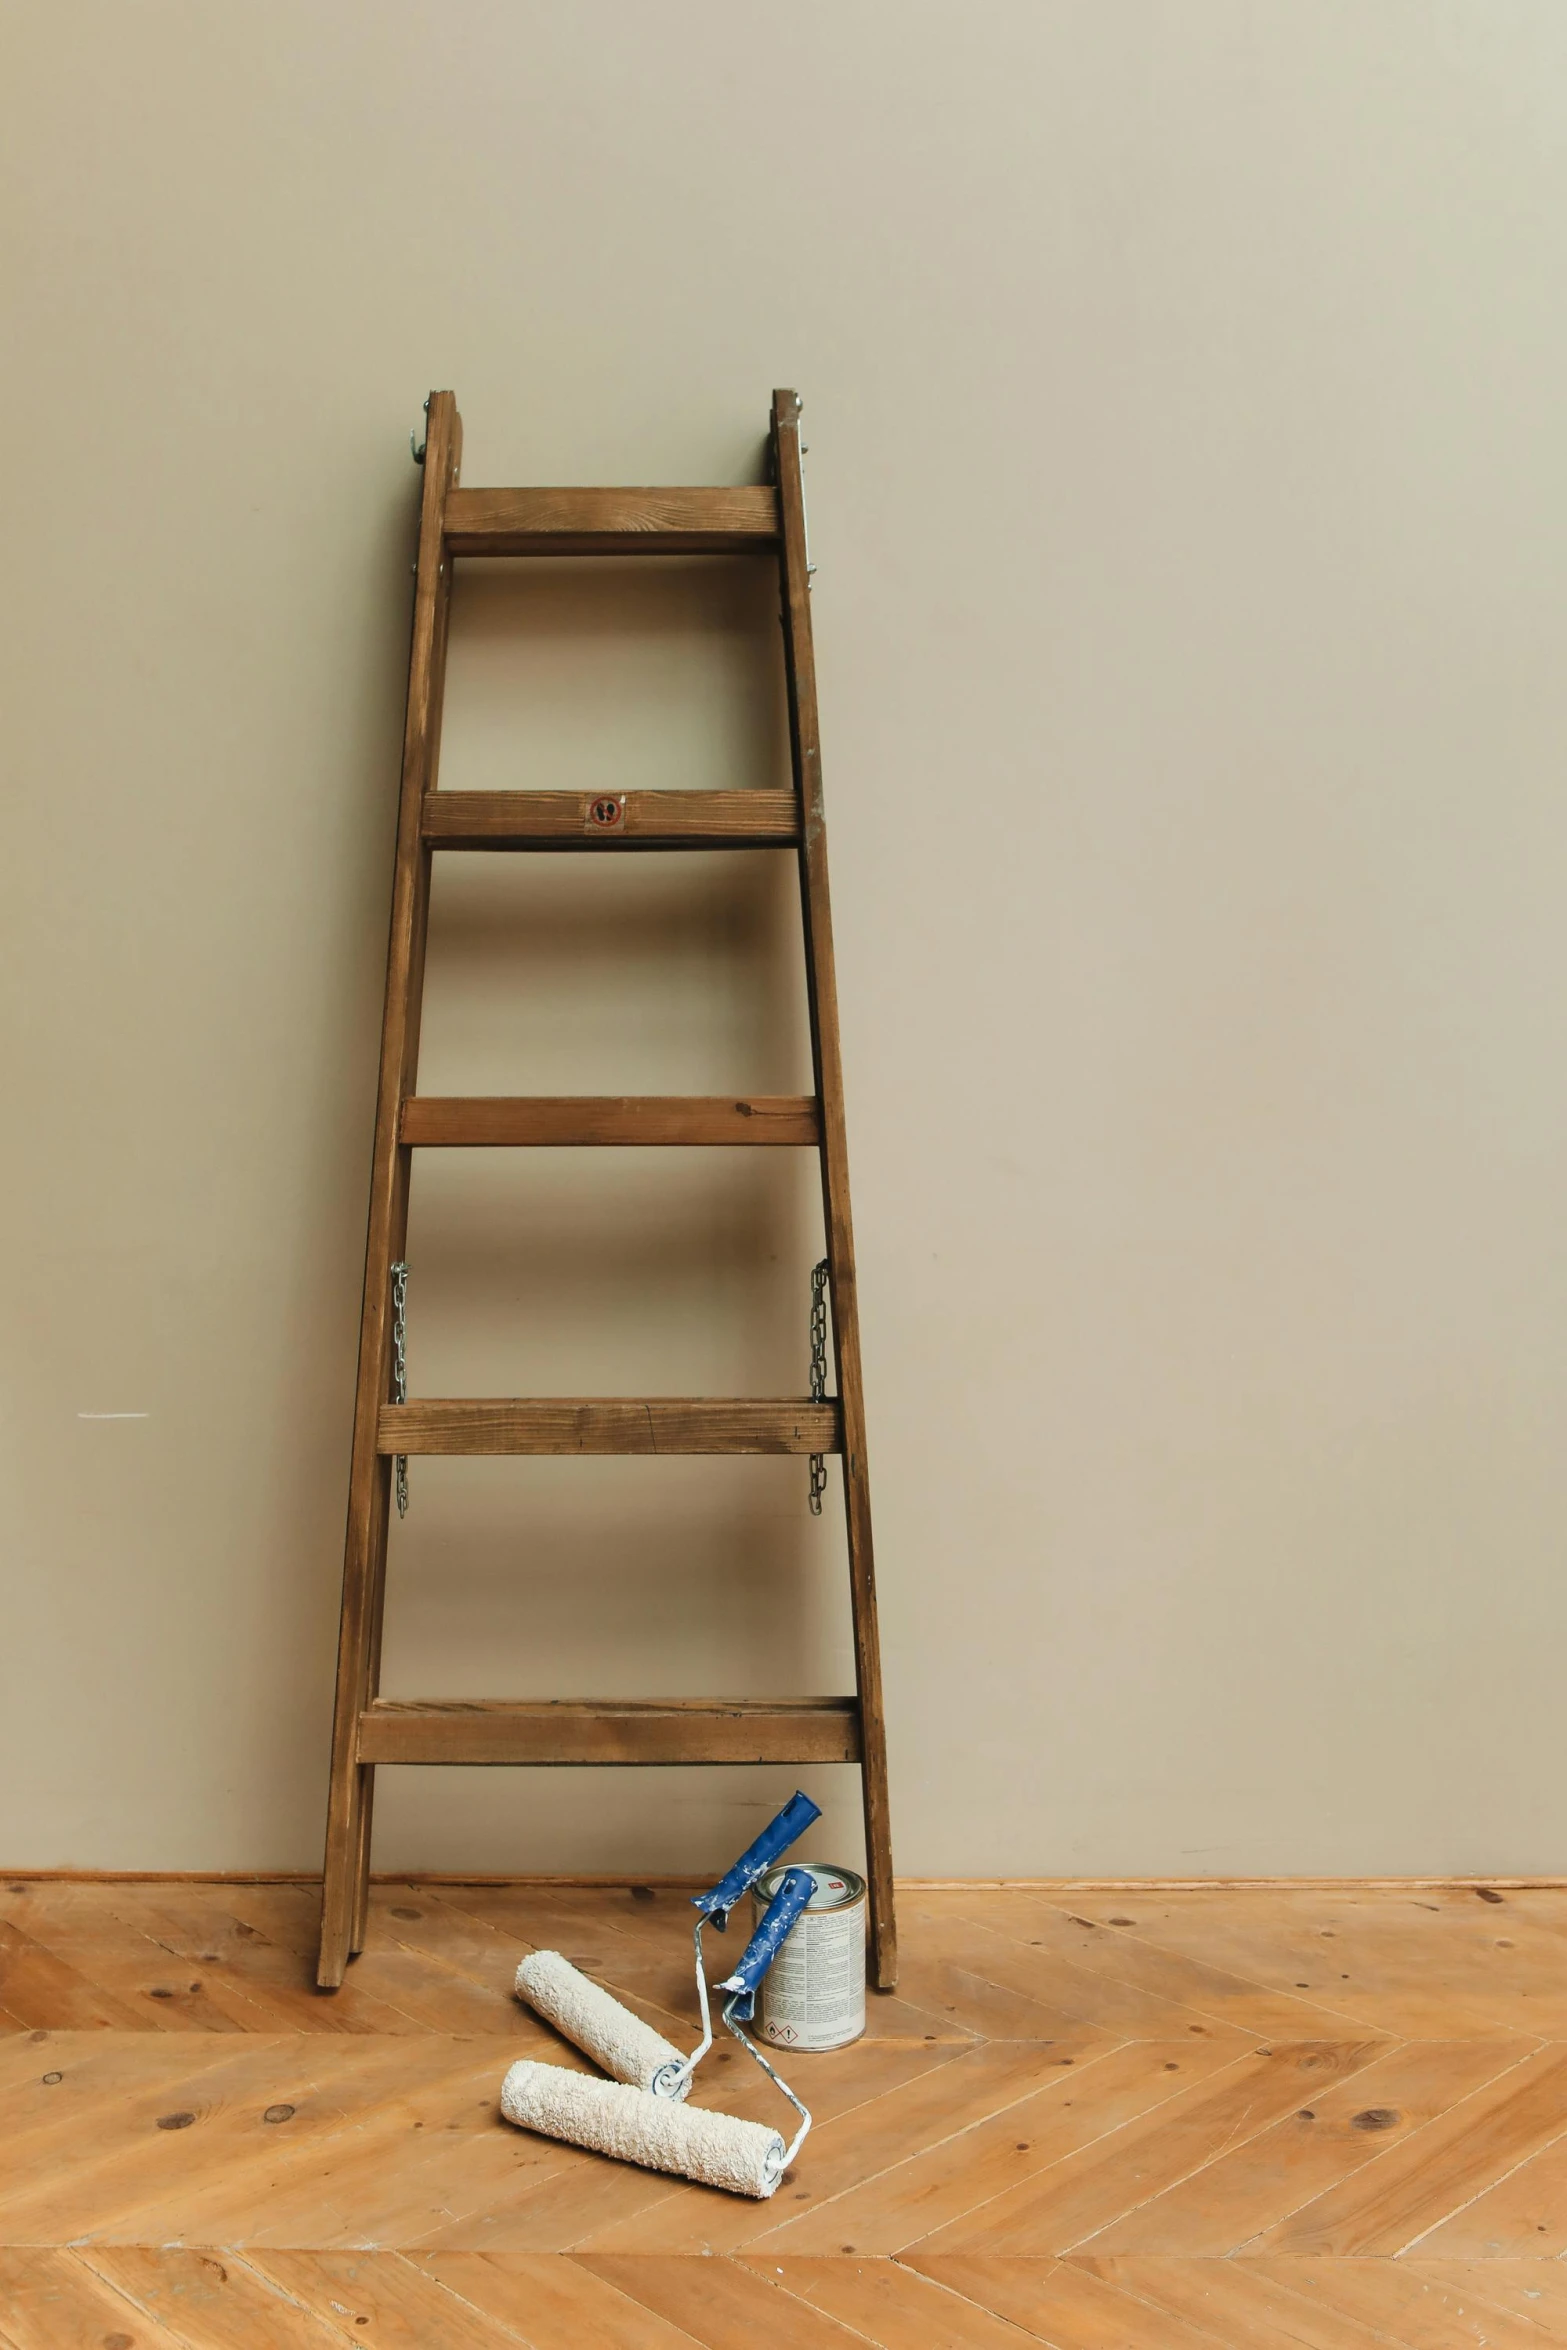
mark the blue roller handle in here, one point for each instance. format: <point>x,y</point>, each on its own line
<point>786,1904</point>
<point>776,1837</point>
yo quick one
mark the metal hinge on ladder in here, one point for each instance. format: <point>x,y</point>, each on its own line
<point>400,1375</point>
<point>818,1376</point>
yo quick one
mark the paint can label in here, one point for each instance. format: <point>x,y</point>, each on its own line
<point>813,1994</point>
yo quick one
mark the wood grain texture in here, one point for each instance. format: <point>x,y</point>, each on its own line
<point>337,2160</point>
<point>723,2304</point>
<point>696,1730</point>
<point>50,2300</point>
<point>1393,2303</point>
<point>382,2300</point>
<point>1073,2306</point>
<point>206,2300</point>
<point>1411,1966</point>
<point>647,820</point>
<point>1535,2289</point>
<point>1336,2136</point>
<point>1179,2302</point>
<point>578,1121</point>
<point>609,1424</point>
<point>351,1786</point>
<point>1385,2208</point>
<point>556,2303</point>
<point>611,522</point>
<point>1019,2147</point>
<point>886,2302</point>
<point>1523,2216</point>
<point>827,1061</point>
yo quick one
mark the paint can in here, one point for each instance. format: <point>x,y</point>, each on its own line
<point>813,1994</point>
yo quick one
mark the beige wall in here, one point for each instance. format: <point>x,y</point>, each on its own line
<point>1186,391</point>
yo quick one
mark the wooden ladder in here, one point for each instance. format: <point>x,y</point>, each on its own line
<point>369,1729</point>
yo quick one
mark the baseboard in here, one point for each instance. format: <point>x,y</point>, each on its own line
<point>686,1884</point>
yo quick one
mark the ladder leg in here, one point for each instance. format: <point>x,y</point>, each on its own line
<point>361,1902</point>
<point>346,1871</point>
<point>365,1773</point>
<point>882,1956</point>
<point>348,1836</point>
<point>345,1882</point>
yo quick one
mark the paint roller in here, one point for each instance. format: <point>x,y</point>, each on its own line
<point>658,2130</point>
<point>644,2121</point>
<point>618,2041</point>
<point>583,2012</point>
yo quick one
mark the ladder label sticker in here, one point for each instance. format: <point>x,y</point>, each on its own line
<point>606,814</point>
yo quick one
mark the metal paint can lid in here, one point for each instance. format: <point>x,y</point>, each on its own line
<point>835,1888</point>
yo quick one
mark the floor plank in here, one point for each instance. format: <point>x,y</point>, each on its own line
<point>1385,2296</point>
<point>50,2301</point>
<point>1523,2216</point>
<point>44,1993</point>
<point>1074,2200</point>
<point>1126,1960</point>
<point>326,2178</point>
<point>968,1945</point>
<point>1223,2204</point>
<point>939,2180</point>
<point>147,2173</point>
<point>382,2300</point>
<point>722,2304</point>
<point>260,1948</point>
<point>1231,2302</point>
<point>1535,2289</point>
<point>1061,2303</point>
<point>1418,1963</point>
<point>890,2305</point>
<point>60,2179</point>
<point>208,2303</point>
<point>554,2301</point>
<point>78,2084</point>
<point>1403,2196</point>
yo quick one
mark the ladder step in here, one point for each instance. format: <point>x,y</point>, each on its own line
<point>669,1730</point>
<point>610,522</point>
<point>583,1119</point>
<point>610,820</point>
<point>610,1424</point>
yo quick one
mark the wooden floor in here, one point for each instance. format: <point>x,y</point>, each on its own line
<point>1104,2120</point>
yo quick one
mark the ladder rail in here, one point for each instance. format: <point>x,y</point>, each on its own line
<point>352,1789</point>
<point>827,1063</point>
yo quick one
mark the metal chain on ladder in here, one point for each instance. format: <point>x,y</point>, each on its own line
<point>400,1375</point>
<point>818,1375</point>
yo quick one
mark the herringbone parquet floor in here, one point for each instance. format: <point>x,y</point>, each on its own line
<point>1102,2120</point>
